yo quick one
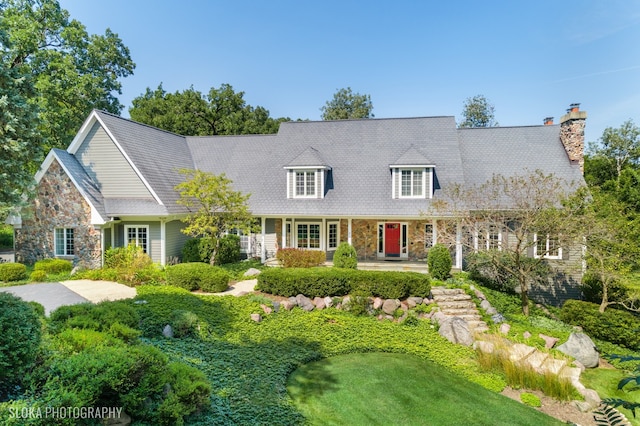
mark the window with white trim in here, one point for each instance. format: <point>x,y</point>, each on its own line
<point>412,183</point>
<point>64,242</point>
<point>547,247</point>
<point>333,235</point>
<point>308,235</point>
<point>305,183</point>
<point>488,238</point>
<point>138,235</point>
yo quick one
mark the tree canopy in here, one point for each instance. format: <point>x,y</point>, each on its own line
<point>73,71</point>
<point>215,208</point>
<point>190,113</point>
<point>347,105</point>
<point>478,112</point>
<point>525,210</point>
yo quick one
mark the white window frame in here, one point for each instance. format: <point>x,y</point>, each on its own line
<point>412,181</point>
<point>146,248</point>
<point>329,225</point>
<point>306,173</point>
<point>66,239</point>
<point>308,225</point>
<point>486,233</point>
<point>546,254</point>
<point>426,181</point>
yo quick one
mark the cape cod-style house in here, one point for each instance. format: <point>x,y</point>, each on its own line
<point>312,185</point>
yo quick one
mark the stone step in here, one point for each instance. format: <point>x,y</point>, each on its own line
<point>453,298</point>
<point>460,312</point>
<point>446,291</point>
<point>459,304</point>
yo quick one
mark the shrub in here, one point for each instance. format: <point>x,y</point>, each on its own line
<point>530,399</point>
<point>439,262</point>
<point>197,250</point>
<point>345,256</point>
<point>322,282</point>
<point>229,250</point>
<point>184,323</point>
<point>38,276</point>
<point>53,266</point>
<point>592,289</point>
<point>493,270</point>
<point>194,276</point>
<point>131,257</point>
<point>20,333</point>
<point>300,258</point>
<point>188,391</point>
<point>12,271</point>
<point>613,325</point>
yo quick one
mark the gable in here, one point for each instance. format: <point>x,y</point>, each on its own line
<point>108,167</point>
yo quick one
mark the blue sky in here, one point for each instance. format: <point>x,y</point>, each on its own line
<point>531,59</point>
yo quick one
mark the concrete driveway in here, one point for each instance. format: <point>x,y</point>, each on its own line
<point>54,295</point>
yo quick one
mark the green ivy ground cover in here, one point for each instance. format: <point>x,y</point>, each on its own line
<point>248,363</point>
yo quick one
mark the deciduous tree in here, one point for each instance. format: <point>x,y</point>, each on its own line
<point>509,217</point>
<point>73,72</point>
<point>214,207</point>
<point>347,105</point>
<point>190,113</point>
<point>478,112</point>
<point>620,147</point>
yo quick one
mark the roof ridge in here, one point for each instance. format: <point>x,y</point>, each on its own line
<point>366,119</point>
<point>100,111</point>
<point>508,127</point>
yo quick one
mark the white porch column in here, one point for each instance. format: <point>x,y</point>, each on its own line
<point>435,231</point>
<point>323,235</point>
<point>163,242</point>
<point>284,233</point>
<point>113,235</point>
<point>349,232</point>
<point>294,233</point>
<point>459,246</point>
<point>101,246</point>
<point>263,249</point>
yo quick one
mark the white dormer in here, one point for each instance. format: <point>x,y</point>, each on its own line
<point>306,175</point>
<point>412,176</point>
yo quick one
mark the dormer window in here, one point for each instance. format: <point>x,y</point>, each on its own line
<point>305,183</point>
<point>306,175</point>
<point>412,184</point>
<point>412,175</point>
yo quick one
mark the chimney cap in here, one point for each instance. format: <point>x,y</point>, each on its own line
<point>548,121</point>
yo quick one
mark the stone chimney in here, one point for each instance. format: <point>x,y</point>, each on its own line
<point>572,134</point>
<point>548,121</point>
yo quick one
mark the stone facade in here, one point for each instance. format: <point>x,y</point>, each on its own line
<point>58,204</point>
<point>572,134</point>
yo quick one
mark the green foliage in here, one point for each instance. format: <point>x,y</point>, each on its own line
<point>129,257</point>
<point>184,323</point>
<point>101,317</point>
<point>6,236</point>
<point>216,208</point>
<point>439,262</point>
<point>345,256</point>
<point>197,250</point>
<point>530,399</point>
<point>620,327</point>
<point>229,250</point>
<point>12,272</point>
<point>347,105</point>
<point>53,266</point>
<point>607,415</point>
<point>38,276</point>
<point>188,391</point>
<point>238,269</point>
<point>72,71</point>
<point>192,113</point>
<point>300,258</point>
<point>478,112</point>
<point>592,289</point>
<point>128,264</point>
<point>20,333</point>
<point>198,276</point>
<point>323,282</point>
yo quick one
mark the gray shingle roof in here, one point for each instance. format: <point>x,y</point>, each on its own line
<point>358,152</point>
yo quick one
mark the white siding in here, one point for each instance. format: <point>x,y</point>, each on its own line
<point>104,162</point>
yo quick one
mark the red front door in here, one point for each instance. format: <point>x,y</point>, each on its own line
<point>392,240</point>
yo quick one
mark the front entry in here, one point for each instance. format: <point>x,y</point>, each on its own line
<point>392,240</point>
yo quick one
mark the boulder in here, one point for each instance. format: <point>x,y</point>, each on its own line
<point>485,304</point>
<point>581,347</point>
<point>480,295</point>
<point>437,317</point>
<point>288,305</point>
<point>256,317</point>
<point>305,303</point>
<point>276,306</point>
<point>526,335</point>
<point>456,330</point>
<point>122,420</point>
<point>267,309</point>
<point>411,304</point>
<point>389,306</point>
<point>549,342</point>
<point>505,328</point>
<point>346,302</point>
<point>377,303</point>
<point>328,302</point>
<point>417,300</point>
<point>167,331</point>
<point>252,272</point>
<point>319,303</point>
<point>497,318</point>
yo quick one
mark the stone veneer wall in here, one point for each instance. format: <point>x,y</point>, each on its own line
<point>364,235</point>
<point>58,204</point>
<point>572,135</point>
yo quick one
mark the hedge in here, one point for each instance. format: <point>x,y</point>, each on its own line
<point>613,325</point>
<point>300,258</point>
<point>198,276</point>
<point>322,282</point>
<point>12,271</point>
<point>53,266</point>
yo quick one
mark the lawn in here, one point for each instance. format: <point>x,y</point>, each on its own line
<point>605,382</point>
<point>387,389</point>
